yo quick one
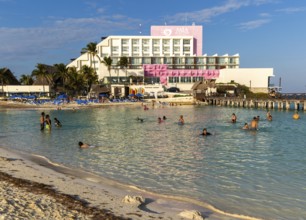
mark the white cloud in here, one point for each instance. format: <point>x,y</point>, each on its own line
<point>206,14</point>
<point>265,15</point>
<point>253,24</point>
<point>292,10</point>
<point>35,41</point>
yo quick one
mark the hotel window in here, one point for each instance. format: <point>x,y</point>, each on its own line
<point>136,60</point>
<point>135,41</point>
<point>146,49</point>
<point>185,79</point>
<point>174,79</point>
<point>115,49</point>
<point>167,60</point>
<point>211,60</point>
<point>176,42</point>
<point>146,60</point>
<point>152,80</point>
<point>178,60</point>
<point>135,49</point>
<point>145,41</point>
<point>156,49</point>
<point>186,49</point>
<point>115,60</point>
<point>189,60</point>
<point>156,60</point>
<point>125,49</point>
<point>200,60</point>
<point>166,49</point>
<point>166,42</point>
<point>156,42</point>
<point>125,41</point>
<point>186,41</point>
<point>197,79</point>
<point>176,49</point>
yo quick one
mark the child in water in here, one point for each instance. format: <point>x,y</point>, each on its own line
<point>57,122</point>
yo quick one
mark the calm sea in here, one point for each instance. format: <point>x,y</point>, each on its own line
<point>254,173</point>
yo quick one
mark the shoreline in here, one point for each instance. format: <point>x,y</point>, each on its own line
<point>78,191</point>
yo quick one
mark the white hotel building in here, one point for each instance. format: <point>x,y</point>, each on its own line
<point>172,57</point>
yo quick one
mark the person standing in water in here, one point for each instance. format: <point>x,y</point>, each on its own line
<point>234,118</point>
<point>254,123</point>
<point>42,121</point>
<point>181,120</point>
<point>48,122</point>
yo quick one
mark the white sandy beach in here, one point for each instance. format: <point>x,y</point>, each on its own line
<point>32,188</point>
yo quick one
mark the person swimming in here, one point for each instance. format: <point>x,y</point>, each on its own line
<point>139,119</point>
<point>296,116</point>
<point>57,122</point>
<point>205,133</point>
<point>84,146</point>
<point>246,126</point>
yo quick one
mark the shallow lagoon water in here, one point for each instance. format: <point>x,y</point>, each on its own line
<point>256,173</point>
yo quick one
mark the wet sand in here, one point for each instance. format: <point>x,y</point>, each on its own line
<point>31,187</point>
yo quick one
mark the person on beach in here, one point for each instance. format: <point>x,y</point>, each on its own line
<point>159,120</point>
<point>246,126</point>
<point>164,118</point>
<point>48,122</point>
<point>234,118</point>
<point>84,146</point>
<point>181,120</point>
<point>57,122</point>
<point>205,133</point>
<point>254,123</point>
<point>42,121</point>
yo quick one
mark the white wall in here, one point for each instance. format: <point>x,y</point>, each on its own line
<point>257,77</point>
<point>26,89</point>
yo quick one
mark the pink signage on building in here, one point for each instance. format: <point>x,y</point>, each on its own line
<point>162,71</point>
<point>195,31</point>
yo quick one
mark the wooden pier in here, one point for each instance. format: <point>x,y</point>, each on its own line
<point>281,104</point>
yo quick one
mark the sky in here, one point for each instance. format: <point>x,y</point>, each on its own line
<point>265,33</point>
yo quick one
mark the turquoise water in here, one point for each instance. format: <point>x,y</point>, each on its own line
<point>256,173</point>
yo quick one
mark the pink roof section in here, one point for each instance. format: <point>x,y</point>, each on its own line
<point>194,30</point>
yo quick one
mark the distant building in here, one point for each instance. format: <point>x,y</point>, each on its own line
<point>170,56</point>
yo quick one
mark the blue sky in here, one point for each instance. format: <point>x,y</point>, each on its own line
<point>266,33</point>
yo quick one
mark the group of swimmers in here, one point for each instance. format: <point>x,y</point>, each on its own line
<point>45,122</point>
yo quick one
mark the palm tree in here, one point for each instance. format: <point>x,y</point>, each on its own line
<point>90,76</point>
<point>91,48</point>
<point>26,79</point>
<point>75,82</point>
<point>62,73</point>
<point>123,63</point>
<point>40,73</point>
<point>107,61</point>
